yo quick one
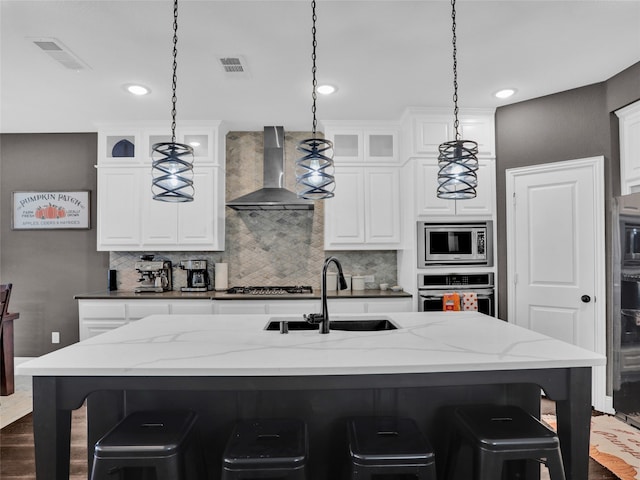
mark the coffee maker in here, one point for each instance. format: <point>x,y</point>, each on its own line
<point>155,275</point>
<point>197,275</point>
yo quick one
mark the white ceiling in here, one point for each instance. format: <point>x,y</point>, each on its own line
<point>384,56</point>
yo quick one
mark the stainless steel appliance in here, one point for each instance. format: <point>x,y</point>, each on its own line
<point>432,288</point>
<point>272,195</point>
<point>271,290</point>
<point>455,244</point>
<point>155,276</point>
<point>198,279</point>
<point>624,333</point>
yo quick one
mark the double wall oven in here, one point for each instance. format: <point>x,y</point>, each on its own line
<point>433,287</point>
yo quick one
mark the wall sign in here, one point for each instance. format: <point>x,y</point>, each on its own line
<point>51,210</point>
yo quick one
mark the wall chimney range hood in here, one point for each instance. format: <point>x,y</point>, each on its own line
<point>272,195</point>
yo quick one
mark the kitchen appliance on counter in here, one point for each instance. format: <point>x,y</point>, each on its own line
<point>432,289</point>
<point>155,276</point>
<point>455,244</point>
<point>271,290</point>
<point>198,279</point>
<point>624,334</point>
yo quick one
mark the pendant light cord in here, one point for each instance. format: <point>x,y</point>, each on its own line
<point>174,98</point>
<point>314,95</point>
<point>456,123</point>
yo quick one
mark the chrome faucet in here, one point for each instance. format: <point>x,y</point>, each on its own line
<point>323,318</point>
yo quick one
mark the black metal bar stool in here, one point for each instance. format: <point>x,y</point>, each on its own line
<point>500,433</point>
<point>160,445</point>
<point>266,448</point>
<point>389,446</point>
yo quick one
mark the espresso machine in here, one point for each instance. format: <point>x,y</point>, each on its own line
<point>155,275</point>
<point>197,275</point>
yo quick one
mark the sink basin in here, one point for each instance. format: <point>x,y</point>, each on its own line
<point>344,324</point>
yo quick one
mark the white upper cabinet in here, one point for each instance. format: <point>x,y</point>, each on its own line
<point>432,127</point>
<point>428,203</point>
<point>365,213</point>
<point>629,148</point>
<point>132,144</point>
<point>128,217</point>
<point>357,143</point>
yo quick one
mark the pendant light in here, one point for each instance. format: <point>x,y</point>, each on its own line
<point>314,170</point>
<point>172,168</point>
<point>458,160</point>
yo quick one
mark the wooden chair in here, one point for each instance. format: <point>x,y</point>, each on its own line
<point>6,341</point>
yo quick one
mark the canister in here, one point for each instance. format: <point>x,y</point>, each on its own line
<point>332,281</point>
<point>357,282</point>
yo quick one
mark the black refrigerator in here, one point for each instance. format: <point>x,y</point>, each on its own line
<point>624,331</point>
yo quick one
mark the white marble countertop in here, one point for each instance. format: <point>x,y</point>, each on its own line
<point>238,345</point>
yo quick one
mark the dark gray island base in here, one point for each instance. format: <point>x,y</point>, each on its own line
<point>323,401</point>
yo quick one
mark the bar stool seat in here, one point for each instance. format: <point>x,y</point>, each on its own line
<point>389,446</point>
<point>146,441</point>
<point>499,433</point>
<point>266,448</point>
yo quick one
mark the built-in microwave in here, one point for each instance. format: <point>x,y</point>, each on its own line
<point>455,244</point>
<point>631,244</point>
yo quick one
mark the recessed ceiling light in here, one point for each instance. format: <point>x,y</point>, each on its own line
<point>505,93</point>
<point>326,89</point>
<point>137,89</point>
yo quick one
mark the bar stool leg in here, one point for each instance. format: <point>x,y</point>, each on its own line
<point>489,466</point>
<point>556,467</point>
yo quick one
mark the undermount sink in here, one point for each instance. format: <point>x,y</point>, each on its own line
<point>343,324</point>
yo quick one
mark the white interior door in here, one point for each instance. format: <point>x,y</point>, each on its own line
<point>555,249</point>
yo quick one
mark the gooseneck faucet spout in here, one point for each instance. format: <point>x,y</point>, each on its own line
<point>323,317</point>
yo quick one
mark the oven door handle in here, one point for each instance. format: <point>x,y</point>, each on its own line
<point>438,296</point>
<point>431,297</point>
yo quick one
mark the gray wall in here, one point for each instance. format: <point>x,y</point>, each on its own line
<point>569,125</point>
<point>47,267</point>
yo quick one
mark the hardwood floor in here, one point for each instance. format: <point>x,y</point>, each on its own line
<point>17,458</point>
<point>17,451</point>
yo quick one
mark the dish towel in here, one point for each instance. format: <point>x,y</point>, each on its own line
<point>451,302</point>
<point>470,301</point>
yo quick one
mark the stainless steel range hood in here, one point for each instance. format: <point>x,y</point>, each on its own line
<point>272,195</point>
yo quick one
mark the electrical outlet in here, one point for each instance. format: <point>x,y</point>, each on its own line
<point>55,337</point>
<point>369,279</point>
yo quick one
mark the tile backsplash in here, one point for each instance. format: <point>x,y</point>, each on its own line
<point>277,247</point>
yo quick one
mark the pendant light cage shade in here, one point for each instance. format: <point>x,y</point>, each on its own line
<point>172,172</point>
<point>172,162</point>
<point>314,170</point>
<point>458,161</point>
<point>458,164</point>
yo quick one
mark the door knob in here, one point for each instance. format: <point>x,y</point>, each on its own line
<point>585,298</point>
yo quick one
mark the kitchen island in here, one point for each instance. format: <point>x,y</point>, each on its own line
<point>228,367</point>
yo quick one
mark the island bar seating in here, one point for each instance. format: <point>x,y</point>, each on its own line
<point>389,446</point>
<point>7,386</point>
<point>163,442</point>
<point>498,433</point>
<point>267,448</point>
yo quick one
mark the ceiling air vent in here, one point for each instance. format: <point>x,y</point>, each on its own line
<point>233,66</point>
<point>60,53</point>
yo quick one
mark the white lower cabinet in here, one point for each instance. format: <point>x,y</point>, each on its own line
<point>98,316</point>
<point>365,212</point>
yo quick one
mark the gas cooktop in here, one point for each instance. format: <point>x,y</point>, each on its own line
<point>270,290</point>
